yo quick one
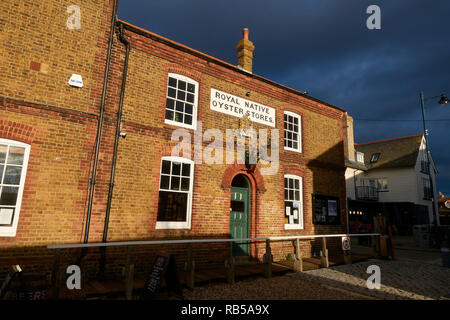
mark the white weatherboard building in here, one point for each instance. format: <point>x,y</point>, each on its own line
<point>391,178</point>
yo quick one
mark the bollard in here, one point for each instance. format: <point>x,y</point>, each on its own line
<point>230,266</point>
<point>129,282</point>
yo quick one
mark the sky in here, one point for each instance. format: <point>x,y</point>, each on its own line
<point>325,48</point>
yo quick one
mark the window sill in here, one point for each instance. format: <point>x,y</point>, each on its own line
<point>293,150</point>
<point>293,227</point>
<point>172,225</point>
<point>181,124</point>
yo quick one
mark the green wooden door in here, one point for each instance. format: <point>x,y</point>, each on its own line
<point>239,219</point>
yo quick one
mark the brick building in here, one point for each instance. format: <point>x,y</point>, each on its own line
<point>57,184</point>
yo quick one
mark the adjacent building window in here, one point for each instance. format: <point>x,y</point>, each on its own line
<point>427,194</point>
<point>13,167</point>
<point>292,132</point>
<point>293,202</point>
<point>181,102</point>
<point>325,209</point>
<point>359,156</point>
<point>175,193</point>
<point>375,157</point>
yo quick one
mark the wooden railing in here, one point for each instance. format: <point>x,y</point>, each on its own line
<point>190,263</point>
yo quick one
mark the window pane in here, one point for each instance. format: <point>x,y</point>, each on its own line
<point>181,95</point>
<point>289,143</point>
<point>184,184</point>
<point>12,175</point>
<point>16,155</point>
<point>178,117</point>
<point>291,194</point>
<point>190,98</point>
<point>171,93</point>
<point>170,104</point>
<point>165,167</point>
<point>3,150</point>
<point>169,115</point>
<point>295,120</point>
<point>186,169</point>
<point>172,82</point>
<point>179,106</point>
<point>295,145</point>
<point>181,85</point>
<point>286,194</point>
<point>176,168</point>
<point>1,172</point>
<point>191,88</point>
<point>188,119</point>
<point>164,182</point>
<point>297,195</point>
<point>297,184</point>
<point>285,117</point>
<point>175,183</point>
<point>172,206</point>
<point>9,196</point>
<point>291,183</point>
<point>295,137</point>
<point>295,128</point>
<point>188,108</point>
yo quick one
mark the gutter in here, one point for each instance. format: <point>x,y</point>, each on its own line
<point>100,123</point>
<point>116,146</point>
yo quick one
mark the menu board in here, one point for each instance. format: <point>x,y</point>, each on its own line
<point>325,209</point>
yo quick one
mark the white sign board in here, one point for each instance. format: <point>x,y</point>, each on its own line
<point>238,107</point>
<point>345,243</point>
<point>76,81</point>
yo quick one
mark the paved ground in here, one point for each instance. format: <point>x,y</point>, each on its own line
<point>399,279</point>
<point>415,274</point>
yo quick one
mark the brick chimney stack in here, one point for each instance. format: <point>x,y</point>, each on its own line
<point>245,52</point>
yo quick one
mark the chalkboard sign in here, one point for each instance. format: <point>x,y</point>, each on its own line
<point>165,268</point>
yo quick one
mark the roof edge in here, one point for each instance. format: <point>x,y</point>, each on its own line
<point>205,56</point>
<point>390,139</point>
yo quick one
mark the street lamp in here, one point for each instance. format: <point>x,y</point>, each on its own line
<point>443,100</point>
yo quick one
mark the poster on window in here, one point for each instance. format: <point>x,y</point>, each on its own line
<point>332,208</point>
<point>6,215</point>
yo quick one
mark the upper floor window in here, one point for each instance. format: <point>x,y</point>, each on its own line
<point>13,166</point>
<point>181,102</point>
<point>359,156</point>
<point>292,132</point>
<point>427,193</point>
<point>175,193</point>
<point>293,202</point>
<point>375,157</point>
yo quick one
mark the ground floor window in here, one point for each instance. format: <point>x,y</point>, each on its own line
<point>175,193</point>
<point>293,202</point>
<point>13,167</point>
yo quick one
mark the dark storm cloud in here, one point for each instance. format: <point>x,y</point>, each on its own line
<point>325,48</point>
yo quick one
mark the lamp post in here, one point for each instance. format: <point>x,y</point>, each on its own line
<point>443,100</point>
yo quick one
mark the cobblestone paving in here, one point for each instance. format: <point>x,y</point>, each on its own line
<point>399,279</point>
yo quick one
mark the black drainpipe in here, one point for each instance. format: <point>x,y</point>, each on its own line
<point>116,145</point>
<point>100,124</point>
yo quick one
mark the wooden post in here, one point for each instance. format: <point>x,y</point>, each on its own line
<point>324,256</point>
<point>129,282</point>
<point>190,269</point>
<point>230,266</point>
<point>376,246</point>
<point>298,263</point>
<point>55,274</point>
<point>347,257</point>
<point>267,259</point>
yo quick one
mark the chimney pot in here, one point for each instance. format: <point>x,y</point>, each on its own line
<point>245,33</point>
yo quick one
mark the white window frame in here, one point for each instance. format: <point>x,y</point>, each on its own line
<point>10,231</point>
<point>300,224</point>
<point>177,224</point>
<point>299,133</point>
<point>195,104</point>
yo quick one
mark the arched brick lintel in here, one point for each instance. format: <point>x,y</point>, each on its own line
<point>255,177</point>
